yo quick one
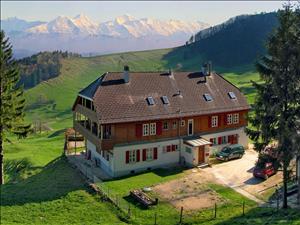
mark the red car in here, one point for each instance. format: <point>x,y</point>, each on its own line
<point>264,171</point>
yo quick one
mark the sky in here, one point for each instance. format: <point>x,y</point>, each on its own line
<point>212,12</point>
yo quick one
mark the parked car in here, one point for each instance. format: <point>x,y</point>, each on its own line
<point>235,151</point>
<point>264,170</point>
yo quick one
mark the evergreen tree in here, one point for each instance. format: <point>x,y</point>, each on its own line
<point>277,103</point>
<point>11,98</point>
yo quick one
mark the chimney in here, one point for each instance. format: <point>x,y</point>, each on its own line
<point>204,69</point>
<point>209,68</point>
<point>126,74</point>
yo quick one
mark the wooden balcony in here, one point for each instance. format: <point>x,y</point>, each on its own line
<point>87,112</point>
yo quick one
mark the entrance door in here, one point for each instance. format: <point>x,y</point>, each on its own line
<point>190,127</point>
<point>200,154</point>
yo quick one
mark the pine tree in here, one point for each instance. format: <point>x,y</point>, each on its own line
<point>11,98</point>
<point>277,103</point>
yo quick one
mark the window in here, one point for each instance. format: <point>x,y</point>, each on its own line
<point>224,140</point>
<point>145,129</point>
<point>150,101</point>
<point>107,132</point>
<point>174,124</point>
<point>165,100</point>
<point>149,154</point>
<point>229,118</point>
<point>231,95</point>
<point>132,156</point>
<point>214,121</point>
<point>214,141</point>
<point>188,150</point>
<point>235,118</point>
<point>165,125</point>
<point>152,128</point>
<point>182,123</point>
<point>207,97</point>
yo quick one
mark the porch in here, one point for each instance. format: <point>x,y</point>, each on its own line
<point>198,148</point>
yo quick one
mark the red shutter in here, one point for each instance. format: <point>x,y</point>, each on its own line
<point>138,155</point>
<point>209,121</point>
<point>127,156</point>
<point>230,139</point>
<point>225,119</point>
<point>155,153</point>
<point>173,148</point>
<point>144,154</point>
<point>168,148</point>
<point>219,121</point>
<point>159,128</point>
<point>212,141</point>
<point>219,140</point>
<point>139,130</point>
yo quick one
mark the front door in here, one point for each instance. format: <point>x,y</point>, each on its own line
<point>200,154</point>
<point>190,127</point>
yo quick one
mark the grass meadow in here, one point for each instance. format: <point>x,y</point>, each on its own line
<point>42,188</point>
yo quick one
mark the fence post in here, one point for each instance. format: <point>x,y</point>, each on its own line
<point>277,199</point>
<point>181,211</point>
<point>128,210</point>
<point>215,210</point>
<point>155,219</point>
<point>243,208</point>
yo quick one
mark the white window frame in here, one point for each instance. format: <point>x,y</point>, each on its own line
<point>236,118</point>
<point>149,154</point>
<point>174,124</point>
<point>182,123</point>
<point>152,128</point>
<point>165,123</point>
<point>224,140</point>
<point>192,122</point>
<point>214,121</point>
<point>214,142</point>
<point>229,119</point>
<point>132,156</point>
<point>146,129</point>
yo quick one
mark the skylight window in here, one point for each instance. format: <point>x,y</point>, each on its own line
<point>231,95</point>
<point>207,97</point>
<point>150,101</point>
<point>165,100</point>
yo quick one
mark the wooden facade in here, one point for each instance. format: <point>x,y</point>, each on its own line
<point>128,132</point>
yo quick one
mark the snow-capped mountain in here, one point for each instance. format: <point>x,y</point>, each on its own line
<point>81,34</point>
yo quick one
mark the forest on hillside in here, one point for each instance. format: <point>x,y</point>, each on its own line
<point>40,67</point>
<point>238,41</point>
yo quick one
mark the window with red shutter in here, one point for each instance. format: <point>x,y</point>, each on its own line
<point>225,119</point>
<point>138,155</point>
<point>168,148</point>
<point>154,153</point>
<point>139,130</point>
<point>159,128</point>
<point>209,121</point>
<point>219,140</point>
<point>212,141</point>
<point>127,156</point>
<point>173,148</point>
<point>144,154</point>
<point>230,139</point>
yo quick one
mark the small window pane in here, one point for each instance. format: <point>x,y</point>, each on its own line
<point>150,101</point>
<point>165,100</point>
<point>207,97</point>
<point>231,95</point>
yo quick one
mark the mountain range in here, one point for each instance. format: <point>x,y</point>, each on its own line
<point>82,35</point>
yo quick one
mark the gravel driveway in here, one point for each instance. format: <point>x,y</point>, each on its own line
<point>237,174</point>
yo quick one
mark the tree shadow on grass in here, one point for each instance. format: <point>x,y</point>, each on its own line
<point>55,180</point>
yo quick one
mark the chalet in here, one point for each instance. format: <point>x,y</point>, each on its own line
<point>134,121</point>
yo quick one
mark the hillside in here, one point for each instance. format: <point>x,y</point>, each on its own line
<point>51,100</point>
<point>239,41</point>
